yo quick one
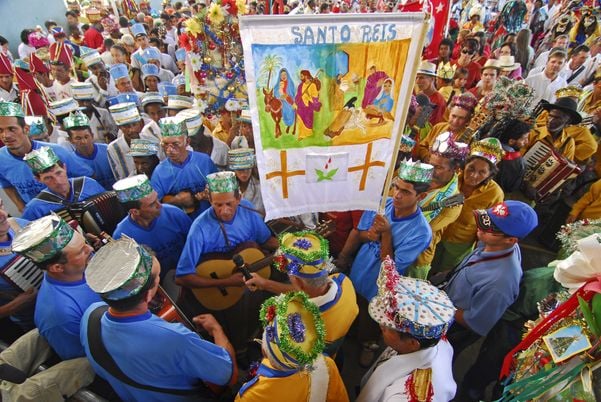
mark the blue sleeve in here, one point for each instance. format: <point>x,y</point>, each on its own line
<point>486,308</point>
<point>30,213</point>
<point>21,221</point>
<point>367,219</point>
<point>64,338</point>
<point>193,250</point>
<point>75,168</point>
<point>156,184</point>
<point>183,220</point>
<point>93,187</point>
<point>408,252</point>
<point>4,183</point>
<point>197,355</point>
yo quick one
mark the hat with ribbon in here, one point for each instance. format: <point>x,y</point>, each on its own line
<point>61,53</point>
<point>151,97</point>
<point>512,218</point>
<point>445,146</point>
<point>410,305</point>
<point>508,63</point>
<point>42,239</point>
<point>566,105</point>
<point>173,127</point>
<point>294,334</point>
<point>41,159</point>
<point>303,254</point>
<point>119,270</point>
<point>491,64</point>
<point>178,102</point>
<point>82,91</point>
<point>125,113</point>
<point>489,149</point>
<point>63,107</point>
<point>427,68</point>
<point>415,171</point>
<point>138,30</point>
<point>141,147</point>
<point>222,182</point>
<point>119,71</point>
<point>192,118</point>
<point>10,109</point>
<point>465,101</point>
<point>241,158</point>
<point>37,125</point>
<point>89,56</point>
<point>133,188</point>
<point>150,70</point>
<point>76,120</point>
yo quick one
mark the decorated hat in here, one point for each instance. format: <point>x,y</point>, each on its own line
<point>407,144</point>
<point>572,91</point>
<point>294,334</point>
<point>138,30</point>
<point>445,146</point>
<point>222,182</point>
<point>566,105</point>
<point>124,97</point>
<point>303,254</point>
<point>133,188</point>
<point>410,305</point>
<point>427,68</point>
<point>89,56</point>
<point>61,53</point>
<point>150,70</point>
<point>36,65</point>
<point>43,238</point>
<point>192,118</point>
<point>141,147</point>
<point>513,218</point>
<point>173,127</point>
<point>466,101</point>
<point>241,158</point>
<point>63,107</point>
<point>180,54</point>
<point>17,64</point>
<point>41,159</point>
<point>82,91</point>
<point>489,149</point>
<point>36,124</point>
<point>119,270</point>
<point>178,102</point>
<point>11,109</point>
<point>415,171</point>
<point>58,32</point>
<point>125,113</point>
<point>6,67</point>
<point>507,63</point>
<point>178,80</point>
<point>167,88</point>
<point>490,64</point>
<point>119,71</point>
<point>76,119</point>
<point>445,71</point>
<point>245,116</point>
<point>150,98</point>
<point>151,53</point>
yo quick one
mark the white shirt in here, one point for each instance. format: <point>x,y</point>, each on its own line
<point>25,50</point>
<point>543,87</point>
<point>62,91</point>
<point>566,72</point>
<point>61,138</point>
<point>541,60</point>
<point>9,96</point>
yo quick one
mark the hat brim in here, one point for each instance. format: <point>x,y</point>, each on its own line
<point>428,73</point>
<point>484,221</point>
<point>377,312</point>
<point>490,67</point>
<point>575,117</point>
<point>513,67</point>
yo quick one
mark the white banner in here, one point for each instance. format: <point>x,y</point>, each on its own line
<point>328,97</point>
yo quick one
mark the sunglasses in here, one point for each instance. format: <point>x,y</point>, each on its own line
<point>467,51</point>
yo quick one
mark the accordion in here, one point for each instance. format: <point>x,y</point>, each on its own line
<point>97,214</point>
<point>547,170</point>
<point>22,273</point>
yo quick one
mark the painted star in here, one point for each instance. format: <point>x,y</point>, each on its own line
<point>439,8</point>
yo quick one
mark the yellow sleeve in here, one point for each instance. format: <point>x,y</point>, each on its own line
<point>594,193</point>
<point>584,142</point>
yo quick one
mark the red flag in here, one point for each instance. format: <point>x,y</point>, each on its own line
<point>439,9</point>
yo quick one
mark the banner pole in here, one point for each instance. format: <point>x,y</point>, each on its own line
<point>407,101</point>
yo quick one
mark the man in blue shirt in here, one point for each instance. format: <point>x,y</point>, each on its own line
<point>60,191</point>
<point>181,178</point>
<point>162,227</point>
<point>229,222</point>
<point>147,349</point>
<point>401,232</point>
<point>87,151</point>
<point>15,176</point>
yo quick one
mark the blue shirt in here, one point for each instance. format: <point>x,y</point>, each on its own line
<point>15,172</point>
<point>99,163</point>
<point>410,236</point>
<point>58,311</point>
<point>155,352</point>
<point>36,208</point>
<point>206,236</point>
<point>171,178</point>
<point>485,286</point>
<point>166,235</point>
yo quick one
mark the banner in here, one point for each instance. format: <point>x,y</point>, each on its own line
<point>328,96</point>
<point>440,11</point>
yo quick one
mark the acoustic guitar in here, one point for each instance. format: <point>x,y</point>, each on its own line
<point>456,199</point>
<point>219,266</point>
<point>168,199</point>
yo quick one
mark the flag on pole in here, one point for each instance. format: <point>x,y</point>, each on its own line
<point>440,11</point>
<point>328,96</point>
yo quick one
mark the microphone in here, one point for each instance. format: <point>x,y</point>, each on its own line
<point>12,374</point>
<point>241,265</point>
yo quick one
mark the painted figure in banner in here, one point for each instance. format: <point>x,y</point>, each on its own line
<point>373,85</point>
<point>382,106</point>
<point>307,103</point>
<point>286,92</point>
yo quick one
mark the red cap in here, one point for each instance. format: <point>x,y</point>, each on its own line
<point>6,67</point>
<point>36,65</point>
<point>61,53</point>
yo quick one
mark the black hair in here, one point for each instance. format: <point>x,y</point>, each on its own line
<point>59,258</point>
<point>69,130</point>
<point>511,46</point>
<point>132,301</point>
<point>419,187</point>
<point>423,343</point>
<point>21,121</point>
<point>580,48</point>
<point>446,41</point>
<point>25,35</point>
<point>123,22</point>
<point>59,163</point>
<point>108,43</point>
<point>49,23</point>
<point>513,130</point>
<point>71,13</point>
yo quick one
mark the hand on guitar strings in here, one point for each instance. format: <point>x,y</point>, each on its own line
<point>237,279</point>
<point>257,282</point>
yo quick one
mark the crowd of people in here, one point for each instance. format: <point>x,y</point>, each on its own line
<point>190,295</point>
